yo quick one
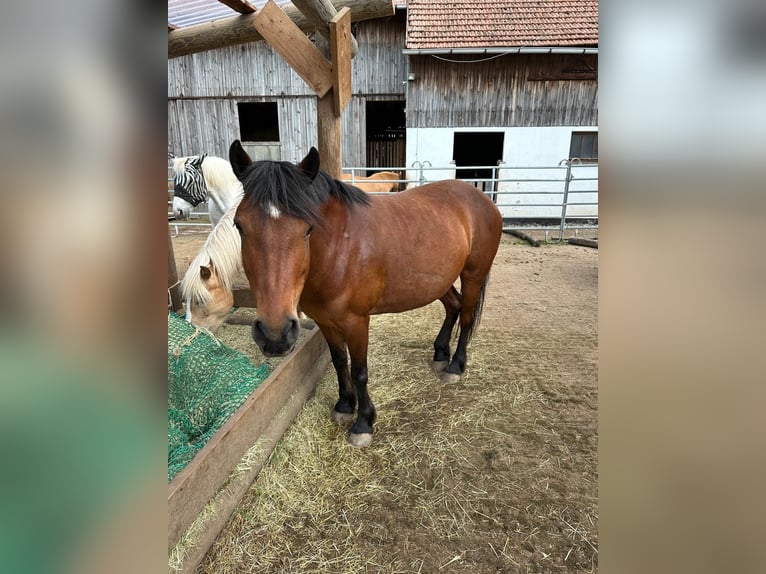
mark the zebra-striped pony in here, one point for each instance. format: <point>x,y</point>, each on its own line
<point>202,177</point>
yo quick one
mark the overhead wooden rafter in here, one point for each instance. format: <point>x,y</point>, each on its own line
<point>240,29</point>
<point>321,14</point>
<point>241,6</point>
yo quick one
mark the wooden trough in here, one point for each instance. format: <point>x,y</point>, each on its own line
<point>205,493</point>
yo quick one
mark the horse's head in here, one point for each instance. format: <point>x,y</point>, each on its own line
<point>189,189</point>
<point>275,219</point>
<point>211,310</point>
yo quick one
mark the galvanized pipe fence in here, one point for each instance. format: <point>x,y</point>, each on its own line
<point>544,198</point>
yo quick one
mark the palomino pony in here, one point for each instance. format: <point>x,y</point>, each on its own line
<point>372,184</point>
<point>207,285</point>
<point>344,255</point>
<point>201,177</point>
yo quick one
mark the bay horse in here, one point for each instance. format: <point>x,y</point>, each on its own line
<point>199,178</point>
<point>343,255</point>
<point>380,182</point>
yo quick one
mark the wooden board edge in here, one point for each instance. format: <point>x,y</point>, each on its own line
<point>193,487</point>
<point>229,497</point>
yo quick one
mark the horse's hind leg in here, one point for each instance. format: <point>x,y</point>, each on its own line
<point>473,299</point>
<point>452,304</point>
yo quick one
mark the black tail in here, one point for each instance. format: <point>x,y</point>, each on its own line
<point>478,308</point>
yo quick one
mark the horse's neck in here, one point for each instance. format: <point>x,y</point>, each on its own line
<point>223,186</point>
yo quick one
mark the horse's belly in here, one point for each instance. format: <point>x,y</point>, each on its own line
<point>418,289</point>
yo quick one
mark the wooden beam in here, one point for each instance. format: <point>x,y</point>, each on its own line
<point>340,49</point>
<point>225,501</point>
<point>321,13</point>
<point>293,45</point>
<point>196,484</point>
<point>173,285</point>
<point>239,29</point>
<point>241,6</point>
<point>244,298</point>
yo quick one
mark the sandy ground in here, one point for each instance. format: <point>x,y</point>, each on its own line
<point>497,473</point>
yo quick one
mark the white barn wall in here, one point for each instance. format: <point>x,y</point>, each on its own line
<point>522,147</point>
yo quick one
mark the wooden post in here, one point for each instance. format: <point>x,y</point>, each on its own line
<point>341,50</point>
<point>329,131</point>
<point>173,286</point>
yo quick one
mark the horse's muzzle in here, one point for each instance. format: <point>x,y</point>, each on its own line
<point>276,342</point>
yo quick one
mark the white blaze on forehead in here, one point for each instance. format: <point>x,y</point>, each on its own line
<point>272,211</point>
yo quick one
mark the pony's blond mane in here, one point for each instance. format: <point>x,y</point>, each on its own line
<point>222,248</point>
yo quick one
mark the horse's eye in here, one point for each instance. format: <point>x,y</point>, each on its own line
<point>236,224</point>
<point>311,228</point>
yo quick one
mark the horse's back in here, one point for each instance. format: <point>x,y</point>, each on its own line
<point>425,238</point>
<point>458,199</point>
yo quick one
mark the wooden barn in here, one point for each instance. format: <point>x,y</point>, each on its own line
<point>249,92</point>
<point>445,84</point>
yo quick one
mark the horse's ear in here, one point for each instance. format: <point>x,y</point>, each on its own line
<point>197,161</point>
<point>310,163</point>
<point>204,272</point>
<point>238,158</point>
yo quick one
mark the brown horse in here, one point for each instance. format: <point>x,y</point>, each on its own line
<point>380,182</point>
<point>344,255</point>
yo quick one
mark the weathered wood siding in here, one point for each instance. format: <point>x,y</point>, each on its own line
<point>204,89</point>
<point>499,92</point>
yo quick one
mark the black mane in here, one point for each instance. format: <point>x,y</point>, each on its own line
<point>288,188</point>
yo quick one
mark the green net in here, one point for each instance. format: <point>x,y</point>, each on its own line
<point>207,382</point>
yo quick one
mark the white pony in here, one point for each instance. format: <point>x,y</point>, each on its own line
<point>201,177</point>
<point>207,285</point>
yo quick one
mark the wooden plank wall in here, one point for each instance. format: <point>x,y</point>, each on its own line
<point>204,88</point>
<point>498,92</point>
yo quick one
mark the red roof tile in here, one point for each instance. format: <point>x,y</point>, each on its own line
<point>435,24</point>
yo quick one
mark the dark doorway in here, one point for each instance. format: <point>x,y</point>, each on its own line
<point>478,149</point>
<point>386,129</point>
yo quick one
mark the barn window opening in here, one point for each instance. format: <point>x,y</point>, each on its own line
<point>258,121</point>
<point>585,146</point>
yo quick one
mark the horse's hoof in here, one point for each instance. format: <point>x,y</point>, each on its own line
<point>341,418</point>
<point>360,440</point>
<point>439,366</point>
<point>450,378</point>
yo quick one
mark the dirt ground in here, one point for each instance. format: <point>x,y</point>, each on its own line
<point>497,473</point>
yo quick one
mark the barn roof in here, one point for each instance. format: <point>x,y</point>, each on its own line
<point>477,24</point>
<point>183,13</point>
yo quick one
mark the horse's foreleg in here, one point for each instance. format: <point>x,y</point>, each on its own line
<point>451,302</point>
<point>346,405</point>
<point>357,338</point>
